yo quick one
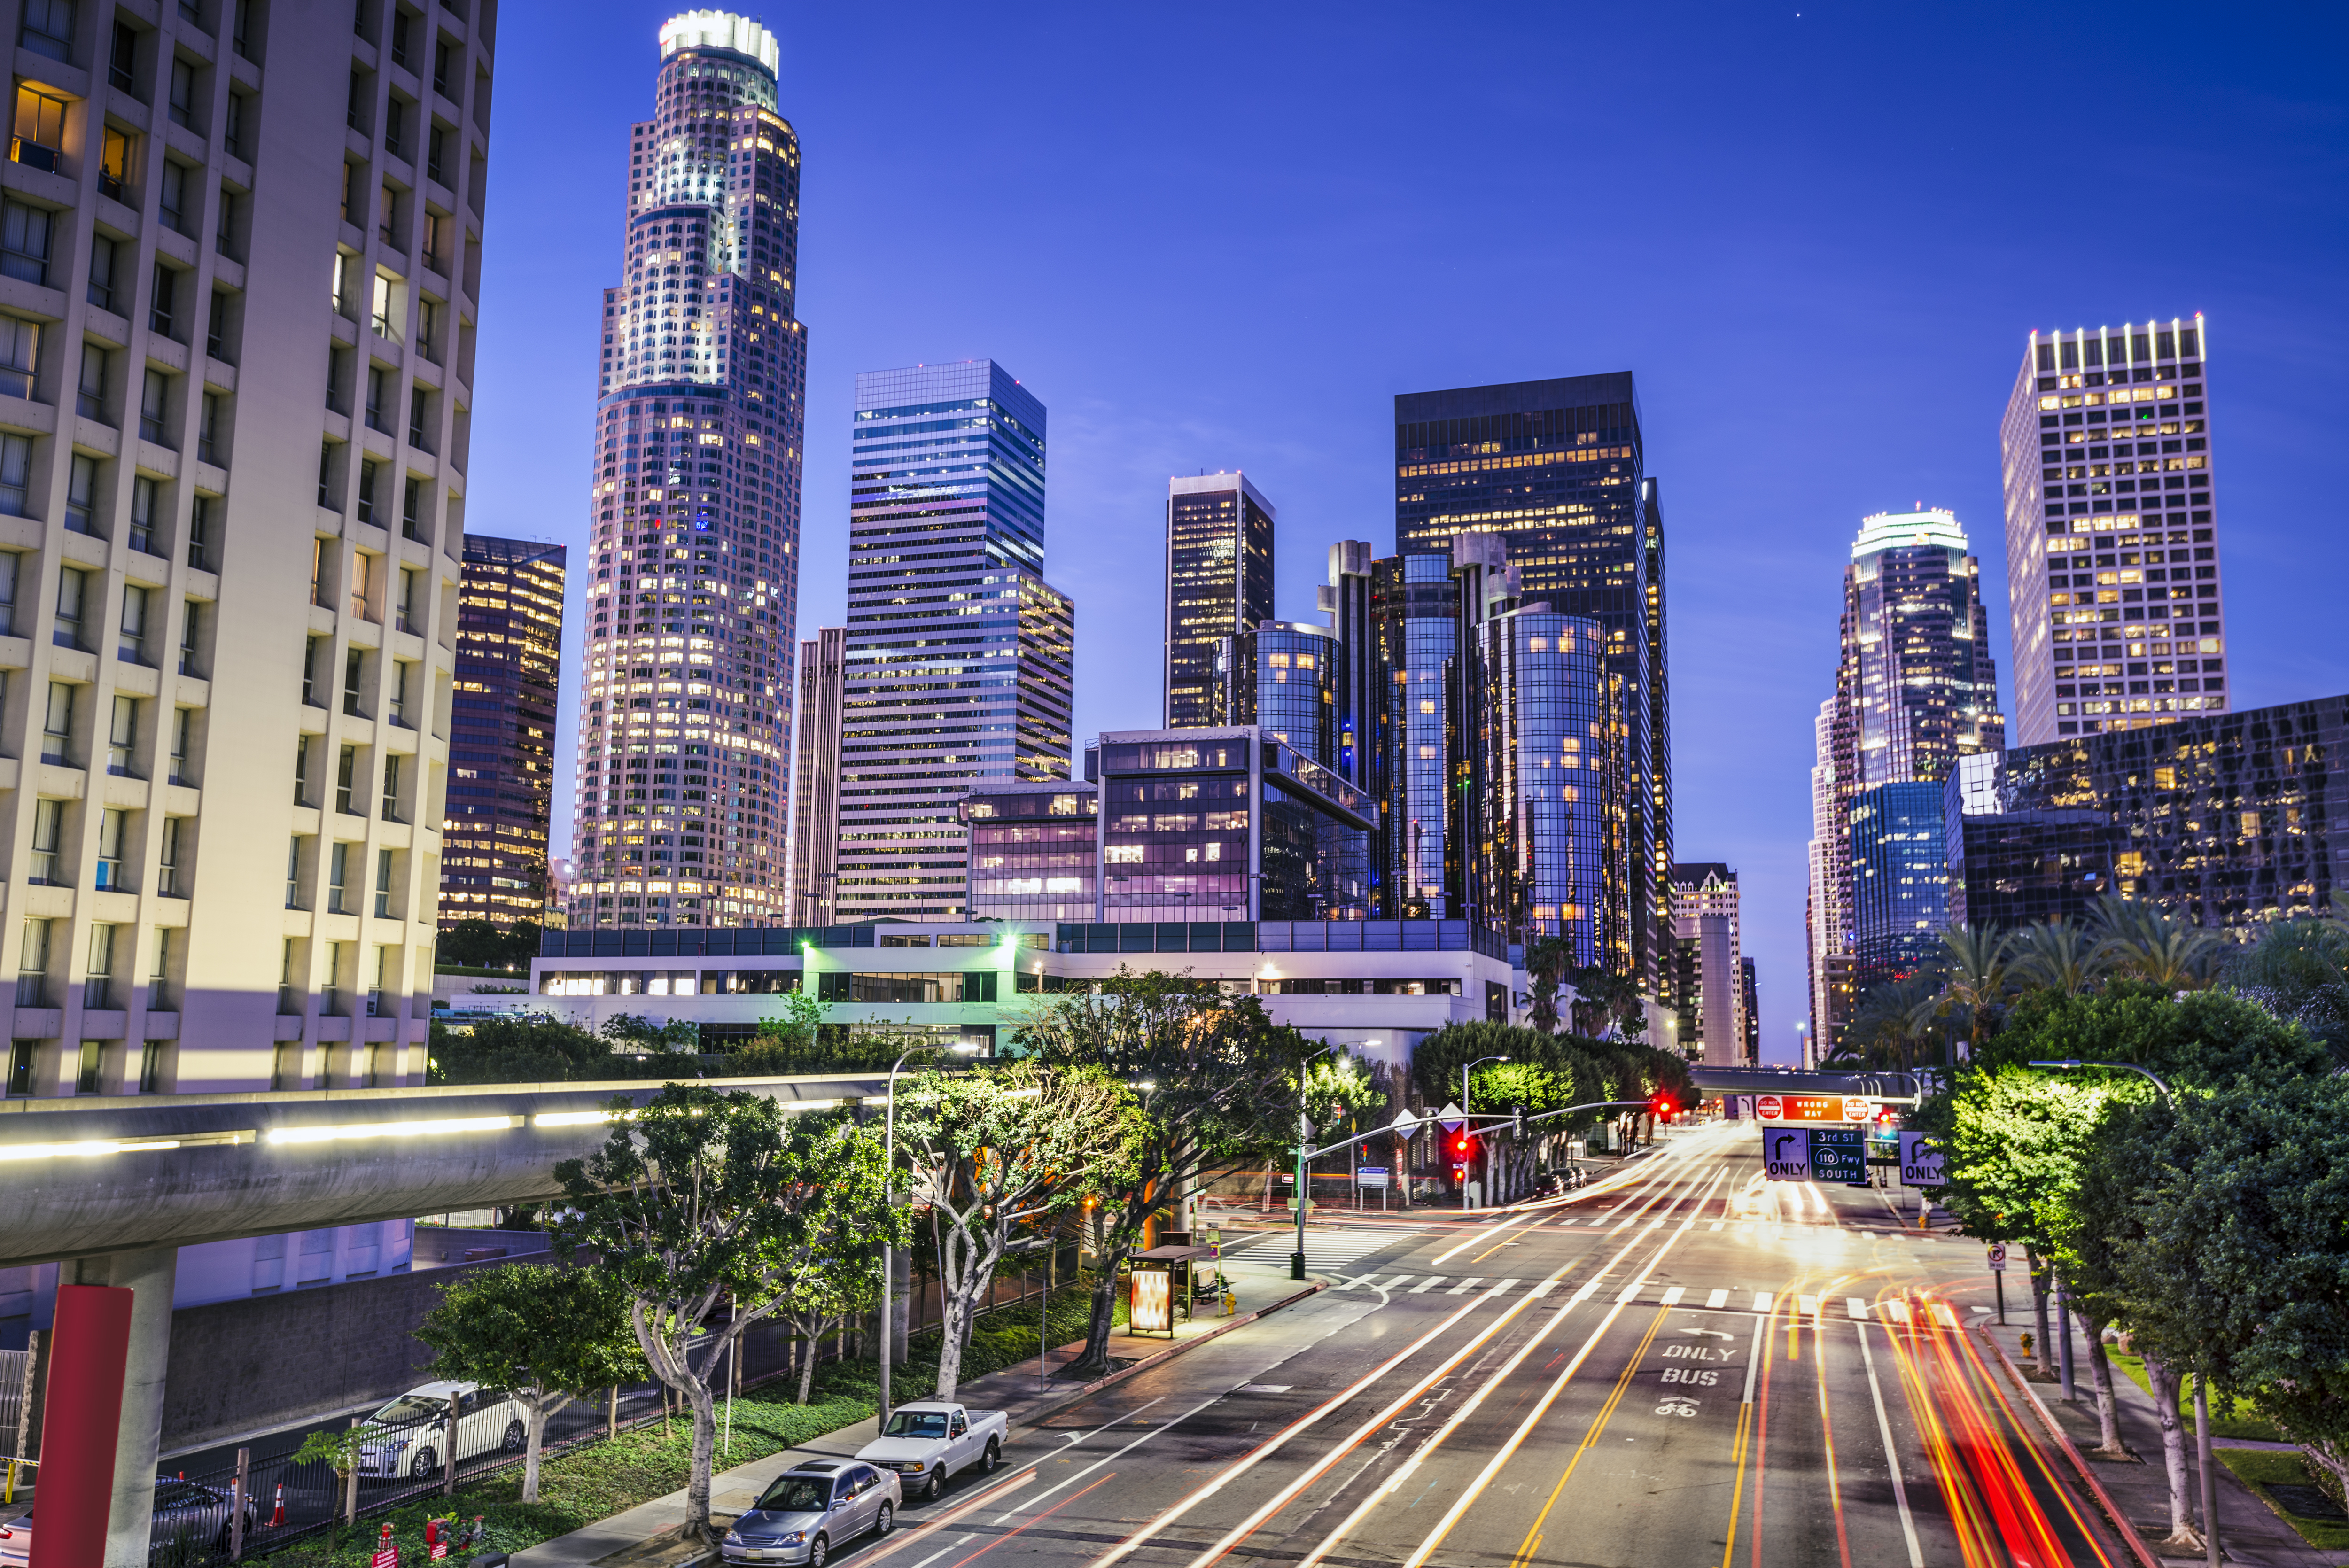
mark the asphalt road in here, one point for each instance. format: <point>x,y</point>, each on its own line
<point>1682,1364</point>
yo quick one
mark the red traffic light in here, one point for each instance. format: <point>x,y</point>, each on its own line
<point>1460,1144</point>
<point>1662,1107</point>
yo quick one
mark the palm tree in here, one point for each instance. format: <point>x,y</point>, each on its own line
<point>2299,969</point>
<point>1894,1017</point>
<point>2146,943</point>
<point>2058,955</point>
<point>1974,975</point>
<point>1545,964</point>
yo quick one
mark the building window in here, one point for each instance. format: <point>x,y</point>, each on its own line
<point>302,746</point>
<point>25,235</point>
<point>191,638</point>
<point>144,496</point>
<point>15,475</point>
<point>200,533</point>
<point>40,130</point>
<point>367,471</point>
<point>8,561</point>
<point>172,200</point>
<point>48,831</point>
<point>346,780</point>
<point>339,859</point>
<point>71,585</point>
<point>33,959</point>
<point>20,355</point>
<point>113,827</point>
<point>154,401</point>
<point>167,866</point>
<point>122,737</point>
<point>391,787</point>
<point>289,996</point>
<point>98,990</point>
<point>48,28</point>
<point>183,93</point>
<point>90,397</point>
<point>183,723</point>
<point>161,314</point>
<point>56,724</point>
<point>383,885</point>
<point>102,272</point>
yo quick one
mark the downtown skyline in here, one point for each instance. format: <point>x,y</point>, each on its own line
<point>1771,447</point>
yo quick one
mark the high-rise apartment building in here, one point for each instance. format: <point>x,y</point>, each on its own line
<point>1219,585</point>
<point>502,732</point>
<point>694,504</point>
<point>1712,971</point>
<point>960,656</point>
<point>2112,553</point>
<point>244,336</point>
<point>1555,468</point>
<point>815,787</point>
<point>1915,690</point>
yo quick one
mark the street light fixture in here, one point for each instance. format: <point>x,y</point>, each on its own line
<point>2071,1062</point>
<point>889,1201</point>
<point>1304,1142</point>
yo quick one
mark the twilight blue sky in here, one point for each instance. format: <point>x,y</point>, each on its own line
<point>1223,236</point>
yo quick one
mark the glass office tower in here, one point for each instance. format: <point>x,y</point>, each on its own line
<point>1900,880</point>
<point>960,656</point>
<point>2112,551</point>
<point>1219,585</point>
<point>695,506</point>
<point>1285,676</point>
<point>501,735</point>
<point>1555,468</point>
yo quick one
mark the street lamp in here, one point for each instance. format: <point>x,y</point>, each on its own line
<point>1304,1143</point>
<point>1464,1071</point>
<point>2201,1398</point>
<point>889,1201</point>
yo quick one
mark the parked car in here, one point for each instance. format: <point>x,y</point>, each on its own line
<point>183,1508</point>
<point>926,1441</point>
<point>810,1510</point>
<point>411,1437</point>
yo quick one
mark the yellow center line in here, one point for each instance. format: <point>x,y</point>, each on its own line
<point>1533,1536</point>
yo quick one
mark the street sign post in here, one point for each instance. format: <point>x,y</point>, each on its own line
<point>1840,1154</point>
<point>1768,1107</point>
<point>1786,1153</point>
<point>1998,1277</point>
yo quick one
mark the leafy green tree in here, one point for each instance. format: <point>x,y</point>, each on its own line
<point>2299,970</point>
<point>1222,1086</point>
<point>503,1049</point>
<point>635,1032</point>
<point>2241,1271</point>
<point>2143,941</point>
<point>702,1197</point>
<point>992,1151</point>
<point>1976,976</point>
<point>547,1335</point>
<point>2059,955</point>
<point>1547,961</point>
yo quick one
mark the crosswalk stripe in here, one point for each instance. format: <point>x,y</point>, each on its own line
<point>1545,1287</point>
<point>1808,1306</point>
<point>1628,1292</point>
<point>1506,1287</point>
<point>1673,1296</point>
<point>1763,1301</point>
<point>1430,1282</point>
<point>1463,1286</point>
<point>1899,1311</point>
<point>1590,1289</point>
<point>1717,1299</point>
<point>1717,1224</point>
<point>1943,1316</point>
<point>1856,1307</point>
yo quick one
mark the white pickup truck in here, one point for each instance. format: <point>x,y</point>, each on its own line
<point>926,1441</point>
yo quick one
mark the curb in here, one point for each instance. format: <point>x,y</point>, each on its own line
<point>1059,1402</point>
<point>2112,1512</point>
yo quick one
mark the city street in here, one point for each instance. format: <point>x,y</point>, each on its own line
<point>1679,1364</point>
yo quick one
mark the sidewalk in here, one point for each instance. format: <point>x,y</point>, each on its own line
<point>651,1535</point>
<point>2250,1532</point>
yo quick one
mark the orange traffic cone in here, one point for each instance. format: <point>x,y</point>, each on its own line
<point>277,1517</point>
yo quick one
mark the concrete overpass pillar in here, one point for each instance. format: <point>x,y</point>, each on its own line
<point>150,1277</point>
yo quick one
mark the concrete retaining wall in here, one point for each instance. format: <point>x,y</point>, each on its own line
<point>246,1365</point>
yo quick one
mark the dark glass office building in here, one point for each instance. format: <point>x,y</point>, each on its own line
<point>502,732</point>
<point>1898,879</point>
<point>1219,585</point>
<point>1285,677</point>
<point>1034,850</point>
<point>2224,819</point>
<point>1227,824</point>
<point>1555,466</point>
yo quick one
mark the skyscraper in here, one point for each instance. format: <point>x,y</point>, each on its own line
<point>502,732</point>
<point>1900,880</point>
<point>1915,690</point>
<point>815,786</point>
<point>960,656</point>
<point>1714,973</point>
<point>695,498</point>
<point>234,372</point>
<point>1218,584</point>
<point>1555,468</point>
<point>2112,556</point>
<point>1285,675</point>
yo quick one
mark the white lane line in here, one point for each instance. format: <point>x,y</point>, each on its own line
<point>959,1540</point>
<point>1754,1357</point>
<point>1718,1299</point>
<point>1892,1455</point>
<point>1545,1287</point>
<point>1481,1237</point>
<point>1673,1296</point>
<point>1031,1503</point>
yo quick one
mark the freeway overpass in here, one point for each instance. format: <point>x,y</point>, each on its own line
<point>1792,1080</point>
<point>112,1187</point>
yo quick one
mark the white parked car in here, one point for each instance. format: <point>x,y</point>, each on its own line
<point>926,1441</point>
<point>409,1435</point>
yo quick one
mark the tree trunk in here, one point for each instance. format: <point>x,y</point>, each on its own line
<point>2332,1460</point>
<point>705,1452</point>
<point>2038,1274</point>
<point>2182,1536</point>
<point>815,1326</point>
<point>2100,1372</point>
<point>536,1410</point>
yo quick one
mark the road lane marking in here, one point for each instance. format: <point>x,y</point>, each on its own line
<point>1506,1285</point>
<point>1673,1296</point>
<point>880,1553</point>
<point>1763,1301</point>
<point>1430,1282</point>
<point>1463,1286</point>
<point>1038,1520</point>
<point>1532,1542</point>
<point>1137,1442</point>
<point>1718,1299</point>
<point>1892,1455</point>
<point>1545,1287</point>
<point>1857,1308</point>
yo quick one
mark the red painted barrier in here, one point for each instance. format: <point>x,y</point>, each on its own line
<point>80,1420</point>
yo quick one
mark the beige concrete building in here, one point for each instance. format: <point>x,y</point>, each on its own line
<point>1708,967</point>
<point>239,253</point>
<point>815,790</point>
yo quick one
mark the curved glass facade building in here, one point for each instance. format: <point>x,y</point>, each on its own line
<point>1285,677</point>
<point>694,504</point>
<point>1551,786</point>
